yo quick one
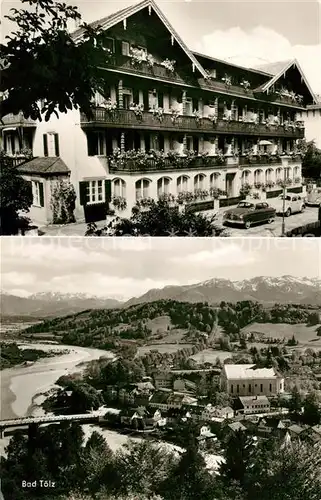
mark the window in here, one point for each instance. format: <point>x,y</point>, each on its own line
<point>51,144</point>
<point>163,186</point>
<point>232,388</point>
<point>120,188</point>
<point>270,387</point>
<point>125,48</point>
<point>94,192</point>
<point>182,183</point>
<point>10,143</point>
<point>199,181</point>
<point>142,188</point>
<point>261,387</point>
<point>37,193</point>
<point>250,388</point>
<point>127,98</point>
<point>237,388</point>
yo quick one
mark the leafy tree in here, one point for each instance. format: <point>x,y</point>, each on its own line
<point>311,409</point>
<point>42,61</point>
<point>313,319</point>
<point>163,220</point>
<point>96,462</point>
<point>285,472</point>
<point>189,480</point>
<point>295,403</point>
<point>311,161</point>
<point>141,467</point>
<point>15,196</point>
<point>238,455</point>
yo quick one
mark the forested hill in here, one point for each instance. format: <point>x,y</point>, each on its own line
<point>106,328</point>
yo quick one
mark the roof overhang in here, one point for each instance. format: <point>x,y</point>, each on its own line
<point>125,13</point>
<point>270,83</point>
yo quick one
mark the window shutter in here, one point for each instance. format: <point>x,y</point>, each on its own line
<point>107,191</point>
<point>57,144</point>
<point>41,196</point>
<point>45,144</point>
<point>83,193</point>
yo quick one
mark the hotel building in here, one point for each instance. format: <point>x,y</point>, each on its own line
<point>168,122</point>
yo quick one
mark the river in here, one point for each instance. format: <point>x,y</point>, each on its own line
<point>20,384</point>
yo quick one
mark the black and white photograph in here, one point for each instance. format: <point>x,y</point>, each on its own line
<point>161,370</point>
<point>160,223</point>
<point>181,118</point>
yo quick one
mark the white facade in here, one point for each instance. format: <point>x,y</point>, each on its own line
<point>312,121</point>
<point>245,380</point>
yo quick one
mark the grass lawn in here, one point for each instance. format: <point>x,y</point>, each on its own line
<point>162,348</point>
<point>306,335</point>
<point>210,356</point>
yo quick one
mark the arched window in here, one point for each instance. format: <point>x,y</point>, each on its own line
<point>214,180</point>
<point>199,181</point>
<point>258,177</point>
<point>163,185</point>
<point>182,183</point>
<point>245,177</point>
<point>288,172</point>
<point>278,173</point>
<point>119,188</point>
<point>268,175</point>
<point>142,188</point>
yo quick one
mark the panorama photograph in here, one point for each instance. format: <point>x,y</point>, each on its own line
<point>182,118</point>
<point>149,369</point>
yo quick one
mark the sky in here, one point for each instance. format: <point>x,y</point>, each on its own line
<point>244,32</point>
<point>125,267</point>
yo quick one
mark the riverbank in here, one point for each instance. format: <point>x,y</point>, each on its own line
<point>19,385</point>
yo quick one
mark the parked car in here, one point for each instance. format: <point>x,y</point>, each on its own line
<point>247,214</point>
<point>314,197</point>
<point>291,204</point>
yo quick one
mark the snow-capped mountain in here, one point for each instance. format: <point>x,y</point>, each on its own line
<point>46,304</point>
<point>284,289</point>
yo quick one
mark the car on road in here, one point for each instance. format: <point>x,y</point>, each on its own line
<point>289,204</point>
<point>314,197</point>
<point>247,214</point>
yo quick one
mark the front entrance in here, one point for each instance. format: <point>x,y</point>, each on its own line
<point>229,185</point>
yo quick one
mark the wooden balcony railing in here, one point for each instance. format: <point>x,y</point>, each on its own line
<point>123,118</point>
<point>125,63</point>
<point>151,165</point>
<point>259,160</point>
<point>17,120</point>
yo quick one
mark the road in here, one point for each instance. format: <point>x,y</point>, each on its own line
<point>309,215</point>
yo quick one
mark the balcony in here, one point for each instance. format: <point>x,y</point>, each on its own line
<point>17,121</point>
<point>127,119</point>
<point>166,164</point>
<point>259,160</point>
<point>124,63</point>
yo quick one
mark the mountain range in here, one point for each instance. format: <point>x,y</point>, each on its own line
<point>267,290</point>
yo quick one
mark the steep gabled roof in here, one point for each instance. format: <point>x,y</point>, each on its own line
<point>121,15</point>
<point>273,68</point>
<point>279,69</point>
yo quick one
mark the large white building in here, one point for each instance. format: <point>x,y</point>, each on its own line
<point>185,126</point>
<point>311,117</point>
<point>246,380</point>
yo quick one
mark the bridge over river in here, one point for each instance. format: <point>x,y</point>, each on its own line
<point>34,422</point>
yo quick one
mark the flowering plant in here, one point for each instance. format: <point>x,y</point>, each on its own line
<point>270,184</point>
<point>197,116</point>
<point>220,157</point>
<point>119,202</point>
<point>137,56</point>
<point>297,180</point>
<point>138,109</point>
<point>175,114</point>
<point>168,197</point>
<point>184,196</point>
<point>212,117</point>
<point>109,105</point>
<point>169,65</point>
<point>216,192</point>
<point>246,85</point>
<point>200,194</point>
<point>158,113</point>
<point>227,79</point>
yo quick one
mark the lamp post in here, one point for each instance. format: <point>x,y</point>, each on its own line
<point>285,163</point>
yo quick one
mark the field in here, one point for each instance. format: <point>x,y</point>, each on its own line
<point>210,356</point>
<point>305,335</point>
